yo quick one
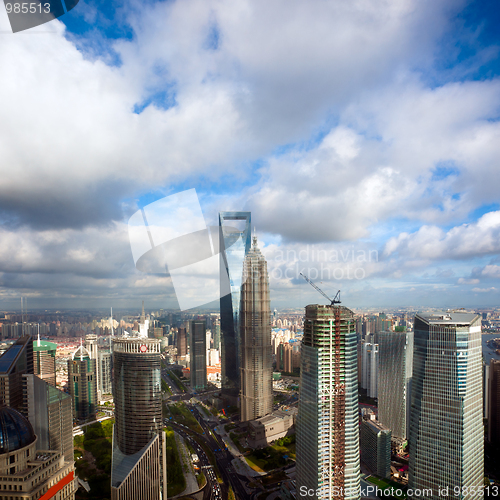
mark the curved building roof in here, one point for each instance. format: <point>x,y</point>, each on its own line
<point>15,430</point>
<point>81,353</point>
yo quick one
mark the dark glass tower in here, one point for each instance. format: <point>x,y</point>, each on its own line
<point>137,392</point>
<point>198,354</point>
<point>138,466</point>
<point>235,238</point>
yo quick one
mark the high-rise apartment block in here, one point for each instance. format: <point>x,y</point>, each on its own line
<point>446,429</point>
<point>394,386</point>
<point>234,244</point>
<point>327,422</point>
<point>255,333</point>
<point>139,455</point>
<point>198,354</point>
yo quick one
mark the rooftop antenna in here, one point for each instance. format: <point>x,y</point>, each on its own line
<point>336,299</point>
<point>38,342</point>
<point>81,350</point>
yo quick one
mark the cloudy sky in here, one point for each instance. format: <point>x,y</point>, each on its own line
<point>363,136</point>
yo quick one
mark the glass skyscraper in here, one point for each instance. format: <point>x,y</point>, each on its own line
<point>255,328</point>
<point>327,422</point>
<point>394,375</point>
<point>138,467</point>
<point>446,430</point>
<point>198,354</point>
<point>235,228</point>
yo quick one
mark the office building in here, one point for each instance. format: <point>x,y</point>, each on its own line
<point>139,455</point>
<point>216,331</point>
<point>255,332</point>
<point>234,244</point>
<point>375,444</point>
<point>49,411</point>
<point>394,388</point>
<point>198,354</point>
<point>44,360</point>
<point>181,341</point>
<point>14,363</point>
<point>91,344</point>
<point>26,471</point>
<point>105,380</point>
<point>494,402</point>
<point>327,422</point>
<point>369,369</point>
<point>446,428</point>
<point>82,384</point>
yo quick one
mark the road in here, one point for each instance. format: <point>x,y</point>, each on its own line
<point>222,456</point>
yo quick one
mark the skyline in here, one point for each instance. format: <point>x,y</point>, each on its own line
<point>367,137</point>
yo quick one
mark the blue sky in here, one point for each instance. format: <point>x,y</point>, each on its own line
<point>342,126</point>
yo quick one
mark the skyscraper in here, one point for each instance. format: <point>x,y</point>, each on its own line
<point>16,361</point>
<point>138,466</point>
<point>181,341</point>
<point>82,383</point>
<point>198,354</point>
<point>394,388</point>
<point>44,360</point>
<point>234,245</point>
<point>93,350</point>
<point>49,411</point>
<point>446,429</point>
<point>255,331</point>
<point>327,422</point>
<point>494,402</point>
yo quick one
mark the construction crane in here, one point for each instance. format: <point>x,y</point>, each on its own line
<point>336,299</point>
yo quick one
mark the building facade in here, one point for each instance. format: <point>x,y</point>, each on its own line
<point>375,444</point>
<point>494,402</point>
<point>16,361</point>
<point>394,387</point>
<point>138,465</point>
<point>26,471</point>
<point>446,429</point>
<point>198,354</point>
<point>234,244</point>
<point>82,384</point>
<point>255,333</point>
<point>44,360</point>
<point>328,462</point>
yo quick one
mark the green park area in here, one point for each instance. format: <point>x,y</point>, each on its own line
<point>175,478</point>
<point>273,457</point>
<point>93,452</point>
<point>181,414</point>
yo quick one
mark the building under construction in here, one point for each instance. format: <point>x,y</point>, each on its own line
<point>327,422</point>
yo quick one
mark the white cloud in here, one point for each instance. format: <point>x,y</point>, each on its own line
<point>460,242</point>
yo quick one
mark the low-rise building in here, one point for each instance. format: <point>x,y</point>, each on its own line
<point>265,430</point>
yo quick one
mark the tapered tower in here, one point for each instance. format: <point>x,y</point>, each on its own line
<point>255,332</point>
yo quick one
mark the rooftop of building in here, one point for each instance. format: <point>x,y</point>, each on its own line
<point>376,425</point>
<point>448,317</point>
